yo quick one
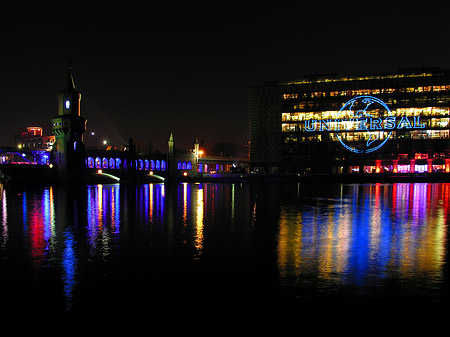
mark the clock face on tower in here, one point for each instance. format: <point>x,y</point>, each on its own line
<point>67,104</point>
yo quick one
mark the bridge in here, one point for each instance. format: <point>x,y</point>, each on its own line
<point>101,165</point>
<point>127,164</point>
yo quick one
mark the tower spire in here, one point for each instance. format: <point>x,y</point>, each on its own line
<point>70,84</point>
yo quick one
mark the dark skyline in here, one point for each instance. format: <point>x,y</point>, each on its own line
<point>146,72</point>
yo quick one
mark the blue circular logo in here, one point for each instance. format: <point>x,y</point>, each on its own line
<point>362,117</point>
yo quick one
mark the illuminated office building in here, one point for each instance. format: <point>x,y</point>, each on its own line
<point>379,123</point>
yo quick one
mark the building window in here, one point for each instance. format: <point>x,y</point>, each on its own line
<point>421,156</point>
<point>370,169</point>
<point>353,169</point>
<point>403,168</point>
<point>421,168</point>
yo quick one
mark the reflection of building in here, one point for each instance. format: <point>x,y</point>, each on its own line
<point>371,233</point>
<point>385,123</point>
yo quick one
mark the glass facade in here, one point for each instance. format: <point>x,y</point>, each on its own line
<point>391,123</point>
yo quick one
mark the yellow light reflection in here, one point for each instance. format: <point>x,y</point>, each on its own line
<point>392,230</point>
<point>198,242</point>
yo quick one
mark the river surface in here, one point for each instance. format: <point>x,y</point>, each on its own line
<point>116,249</point>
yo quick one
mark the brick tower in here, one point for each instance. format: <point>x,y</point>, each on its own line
<point>68,127</point>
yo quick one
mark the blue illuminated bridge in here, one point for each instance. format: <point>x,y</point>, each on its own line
<point>113,166</point>
<point>181,165</point>
<point>117,165</point>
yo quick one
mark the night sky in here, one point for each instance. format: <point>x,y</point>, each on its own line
<point>148,70</point>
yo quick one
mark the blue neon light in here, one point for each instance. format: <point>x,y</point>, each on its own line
<point>362,120</point>
<point>375,123</point>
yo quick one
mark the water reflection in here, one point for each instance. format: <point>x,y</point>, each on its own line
<point>4,214</point>
<point>192,215</point>
<point>108,240</point>
<point>69,264</point>
<point>365,235</point>
<point>199,222</point>
<point>39,223</point>
<point>154,202</point>
<point>103,218</point>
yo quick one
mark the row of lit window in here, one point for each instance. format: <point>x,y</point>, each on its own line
<point>363,136</point>
<point>359,92</point>
<point>356,78</point>
<point>337,125</point>
<point>336,114</point>
<point>318,105</point>
<point>401,168</point>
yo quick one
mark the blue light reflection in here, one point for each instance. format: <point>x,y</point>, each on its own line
<point>103,218</point>
<point>69,263</point>
<point>368,234</point>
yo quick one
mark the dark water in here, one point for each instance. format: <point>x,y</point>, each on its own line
<point>184,249</point>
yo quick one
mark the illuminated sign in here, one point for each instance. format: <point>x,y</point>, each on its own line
<point>362,114</point>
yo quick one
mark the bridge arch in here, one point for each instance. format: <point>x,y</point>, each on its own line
<point>184,165</point>
<point>108,162</point>
<point>90,162</point>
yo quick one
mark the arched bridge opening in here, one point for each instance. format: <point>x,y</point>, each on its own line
<point>118,167</point>
<point>111,163</point>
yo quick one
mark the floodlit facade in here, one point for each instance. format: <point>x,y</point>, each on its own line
<point>33,138</point>
<point>380,123</point>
